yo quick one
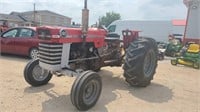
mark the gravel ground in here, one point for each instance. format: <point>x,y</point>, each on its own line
<point>174,89</point>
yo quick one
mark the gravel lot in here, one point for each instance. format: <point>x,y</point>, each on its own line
<point>174,89</point>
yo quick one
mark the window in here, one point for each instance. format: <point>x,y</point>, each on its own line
<point>11,33</point>
<point>25,33</point>
<point>112,28</point>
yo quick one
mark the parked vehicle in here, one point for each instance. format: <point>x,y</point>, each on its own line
<point>3,26</point>
<point>174,46</point>
<point>190,58</point>
<point>20,41</point>
<point>161,50</point>
<point>159,30</point>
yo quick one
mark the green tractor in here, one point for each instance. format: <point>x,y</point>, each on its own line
<point>190,58</point>
<point>174,46</point>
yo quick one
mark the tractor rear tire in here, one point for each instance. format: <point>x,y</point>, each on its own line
<point>86,90</point>
<point>140,62</point>
<point>35,75</point>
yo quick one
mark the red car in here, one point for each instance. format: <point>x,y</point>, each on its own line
<point>20,41</point>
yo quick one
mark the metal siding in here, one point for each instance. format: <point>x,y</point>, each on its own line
<point>193,24</point>
<point>198,19</point>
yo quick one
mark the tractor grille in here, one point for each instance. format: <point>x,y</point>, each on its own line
<point>50,53</point>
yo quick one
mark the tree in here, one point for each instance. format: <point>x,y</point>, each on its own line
<point>109,18</point>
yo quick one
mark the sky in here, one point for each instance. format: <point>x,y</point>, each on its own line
<point>128,9</point>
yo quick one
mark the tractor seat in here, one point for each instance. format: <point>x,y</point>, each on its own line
<point>193,48</point>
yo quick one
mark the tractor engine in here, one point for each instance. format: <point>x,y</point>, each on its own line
<point>90,58</point>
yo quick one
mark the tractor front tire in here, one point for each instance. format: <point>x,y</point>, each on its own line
<point>140,62</point>
<point>86,90</point>
<point>35,75</point>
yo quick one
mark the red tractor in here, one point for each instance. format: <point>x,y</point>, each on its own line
<point>4,26</point>
<point>82,53</point>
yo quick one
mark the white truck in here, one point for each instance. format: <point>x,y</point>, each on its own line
<point>157,29</point>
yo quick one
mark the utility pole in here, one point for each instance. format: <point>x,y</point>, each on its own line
<point>34,21</point>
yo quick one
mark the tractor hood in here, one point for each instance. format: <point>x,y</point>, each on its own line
<point>49,34</point>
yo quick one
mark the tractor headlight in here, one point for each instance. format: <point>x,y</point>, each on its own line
<point>124,34</point>
<point>63,33</point>
<point>129,33</point>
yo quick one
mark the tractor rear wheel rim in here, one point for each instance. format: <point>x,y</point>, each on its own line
<point>149,63</point>
<point>91,91</point>
<point>39,74</point>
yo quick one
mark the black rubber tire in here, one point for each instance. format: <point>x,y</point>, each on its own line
<point>29,75</point>
<point>80,87</point>
<point>196,65</point>
<point>135,71</point>
<point>33,53</point>
<point>174,62</point>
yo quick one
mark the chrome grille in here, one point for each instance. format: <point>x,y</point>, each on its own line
<point>50,53</point>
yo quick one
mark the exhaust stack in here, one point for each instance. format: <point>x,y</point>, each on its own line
<point>85,19</point>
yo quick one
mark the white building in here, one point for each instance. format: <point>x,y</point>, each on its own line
<point>39,17</point>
